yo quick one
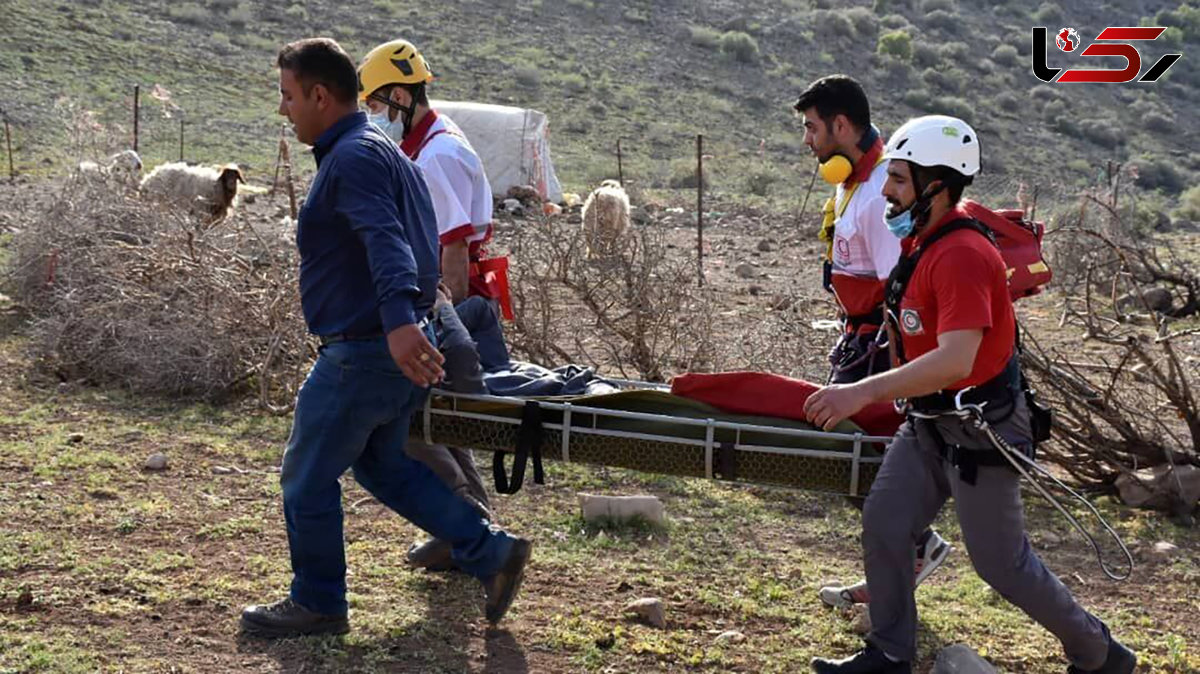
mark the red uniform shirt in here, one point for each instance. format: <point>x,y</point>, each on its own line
<point>960,283</point>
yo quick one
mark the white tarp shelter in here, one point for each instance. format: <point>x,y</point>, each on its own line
<point>513,143</point>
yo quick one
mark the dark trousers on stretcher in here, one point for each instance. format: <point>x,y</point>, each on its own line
<point>911,487</point>
<point>856,357</point>
<point>455,466</point>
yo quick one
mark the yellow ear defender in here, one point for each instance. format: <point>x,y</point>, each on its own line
<point>838,168</point>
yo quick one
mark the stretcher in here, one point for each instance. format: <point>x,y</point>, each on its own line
<point>643,427</point>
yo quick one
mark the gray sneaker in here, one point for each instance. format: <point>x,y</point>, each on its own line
<point>928,558</point>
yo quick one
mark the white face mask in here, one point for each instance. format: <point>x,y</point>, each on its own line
<point>394,129</point>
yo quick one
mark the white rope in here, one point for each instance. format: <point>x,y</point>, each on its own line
<point>1015,457</point>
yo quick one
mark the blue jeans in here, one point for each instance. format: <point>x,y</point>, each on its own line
<point>353,411</point>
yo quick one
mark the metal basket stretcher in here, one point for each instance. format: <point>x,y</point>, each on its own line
<point>645,428</point>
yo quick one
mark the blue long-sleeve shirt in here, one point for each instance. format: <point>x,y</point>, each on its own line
<point>367,235</point>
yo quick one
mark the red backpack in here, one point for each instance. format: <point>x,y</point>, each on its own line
<point>1020,243</point>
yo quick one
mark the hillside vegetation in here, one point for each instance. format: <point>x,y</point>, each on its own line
<point>653,73</point>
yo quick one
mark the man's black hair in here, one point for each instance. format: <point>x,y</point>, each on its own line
<point>321,60</point>
<point>837,95</point>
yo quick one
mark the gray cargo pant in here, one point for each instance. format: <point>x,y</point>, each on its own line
<point>911,487</point>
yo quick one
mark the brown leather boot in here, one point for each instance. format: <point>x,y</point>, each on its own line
<point>432,555</point>
<point>502,588</point>
<point>286,618</point>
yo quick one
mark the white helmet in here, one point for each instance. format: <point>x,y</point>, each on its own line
<point>936,140</point>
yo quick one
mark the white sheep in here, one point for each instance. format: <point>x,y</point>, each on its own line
<point>605,217</point>
<point>125,168</point>
<point>206,190</point>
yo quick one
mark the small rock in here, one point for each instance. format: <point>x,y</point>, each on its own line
<point>622,508</point>
<point>221,470</point>
<point>756,290</point>
<point>511,206</point>
<point>747,270</point>
<point>649,609</point>
<point>75,438</point>
<point>862,619</point>
<point>961,659</point>
<point>1166,550</point>
<point>249,198</point>
<point>1051,540</point>
<point>157,461</point>
<point>1162,222</point>
<point>731,637</point>
<point>767,246</point>
<point>526,195</point>
<point>1157,299</point>
<point>1160,487</point>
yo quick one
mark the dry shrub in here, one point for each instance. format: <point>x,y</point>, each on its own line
<point>1130,404</point>
<point>637,311</point>
<point>783,341</point>
<point>123,293</point>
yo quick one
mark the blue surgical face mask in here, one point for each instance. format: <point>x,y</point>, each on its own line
<point>394,129</point>
<point>902,224</point>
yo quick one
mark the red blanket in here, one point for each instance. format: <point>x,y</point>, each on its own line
<point>771,395</point>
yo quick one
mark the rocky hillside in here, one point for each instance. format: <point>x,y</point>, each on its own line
<point>653,73</point>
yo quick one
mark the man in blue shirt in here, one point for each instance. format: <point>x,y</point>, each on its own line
<point>368,277</point>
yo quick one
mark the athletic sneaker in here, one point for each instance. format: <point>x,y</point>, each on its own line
<point>929,557</point>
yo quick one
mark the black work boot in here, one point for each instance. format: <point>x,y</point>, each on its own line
<point>432,555</point>
<point>286,618</point>
<point>1120,660</point>
<point>869,660</point>
<point>501,588</point>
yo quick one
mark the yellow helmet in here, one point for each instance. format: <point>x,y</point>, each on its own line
<point>395,62</point>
